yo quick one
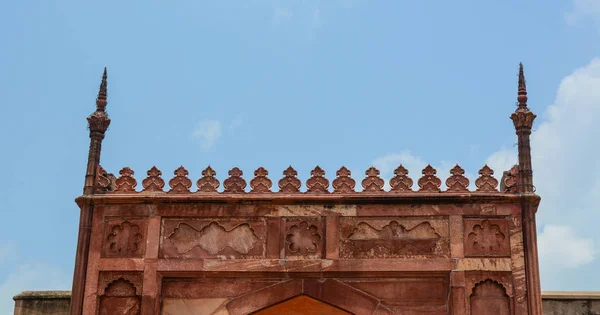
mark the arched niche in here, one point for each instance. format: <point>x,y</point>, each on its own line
<point>489,297</point>
<point>120,297</point>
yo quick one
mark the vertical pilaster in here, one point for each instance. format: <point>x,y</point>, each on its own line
<point>523,120</point>
<point>98,123</point>
<point>152,281</point>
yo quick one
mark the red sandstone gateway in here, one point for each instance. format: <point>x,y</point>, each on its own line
<point>169,250</point>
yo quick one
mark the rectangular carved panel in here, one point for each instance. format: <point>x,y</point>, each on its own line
<point>303,238</point>
<point>124,238</point>
<point>486,237</point>
<point>393,237</point>
<point>214,238</point>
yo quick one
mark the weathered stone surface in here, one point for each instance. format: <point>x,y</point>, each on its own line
<point>42,302</point>
<point>191,306</point>
<point>393,237</point>
<point>486,237</point>
<point>212,288</point>
<point>489,298</point>
<point>264,297</point>
<point>219,238</point>
<point>124,238</point>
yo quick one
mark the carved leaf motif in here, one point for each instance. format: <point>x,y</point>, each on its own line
<point>429,182</point>
<point>153,182</point>
<point>395,239</point>
<point>125,238</point>
<point>125,183</point>
<point>235,183</point>
<point>260,183</point>
<point>401,182</point>
<point>102,181</point>
<point>457,182</point>
<point>317,183</point>
<point>180,184</point>
<point>208,182</point>
<point>303,238</point>
<point>485,182</point>
<point>290,182</point>
<point>486,238</point>
<point>509,180</point>
<point>372,182</point>
<point>213,238</point>
<point>343,184</point>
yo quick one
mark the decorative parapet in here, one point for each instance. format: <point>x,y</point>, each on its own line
<point>343,183</point>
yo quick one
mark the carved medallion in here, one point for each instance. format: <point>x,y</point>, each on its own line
<point>486,238</point>
<point>372,183</point>
<point>208,182</point>
<point>343,184</point>
<point>303,238</point>
<point>235,183</point>
<point>260,183</point>
<point>153,182</point>
<point>401,182</point>
<point>290,182</point>
<point>124,239</point>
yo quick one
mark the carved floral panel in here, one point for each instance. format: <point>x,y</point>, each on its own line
<point>487,237</point>
<point>393,237</point>
<point>124,238</point>
<point>214,238</point>
<point>303,238</point>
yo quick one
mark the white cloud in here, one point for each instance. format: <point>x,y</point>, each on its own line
<point>502,160</point>
<point>567,177</point>
<point>560,248</point>
<point>208,132</point>
<point>582,9</point>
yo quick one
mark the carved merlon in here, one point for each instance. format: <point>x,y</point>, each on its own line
<point>316,183</point>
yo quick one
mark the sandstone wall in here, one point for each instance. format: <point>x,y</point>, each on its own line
<point>554,303</point>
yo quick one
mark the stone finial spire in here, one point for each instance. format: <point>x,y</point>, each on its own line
<point>102,94</point>
<point>523,120</point>
<point>522,117</point>
<point>522,94</point>
<point>98,123</point>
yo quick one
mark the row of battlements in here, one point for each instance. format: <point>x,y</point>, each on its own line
<point>343,183</point>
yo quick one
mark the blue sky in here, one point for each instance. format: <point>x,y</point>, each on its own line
<point>273,83</point>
